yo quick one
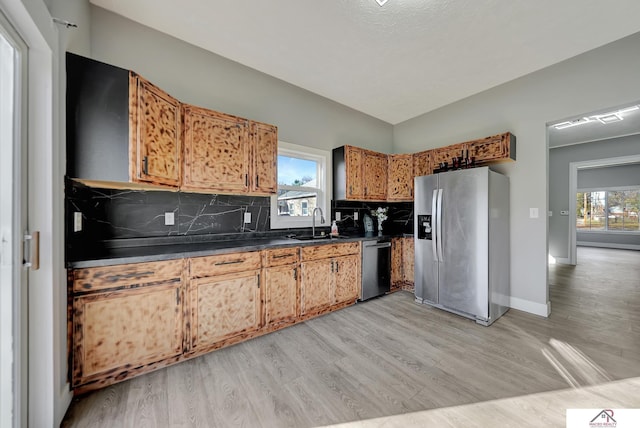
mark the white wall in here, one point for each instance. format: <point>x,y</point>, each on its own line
<point>196,76</point>
<point>607,76</point>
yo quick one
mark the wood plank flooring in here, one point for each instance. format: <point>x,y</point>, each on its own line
<point>389,356</point>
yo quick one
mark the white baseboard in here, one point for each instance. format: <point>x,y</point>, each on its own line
<point>563,261</point>
<point>531,307</point>
<point>608,245</point>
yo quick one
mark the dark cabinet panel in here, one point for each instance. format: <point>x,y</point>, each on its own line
<point>97,120</point>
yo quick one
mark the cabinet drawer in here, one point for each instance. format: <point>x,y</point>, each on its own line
<point>224,263</point>
<point>329,250</point>
<point>280,257</point>
<point>117,276</point>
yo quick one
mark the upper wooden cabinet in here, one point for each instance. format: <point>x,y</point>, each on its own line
<point>264,155</point>
<point>216,151</point>
<point>121,129</point>
<point>501,147</point>
<point>422,163</point>
<point>375,176</point>
<point>400,183</point>
<point>446,154</point>
<point>359,174</point>
<point>155,134</point>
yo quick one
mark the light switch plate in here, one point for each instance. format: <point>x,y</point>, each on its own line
<point>563,212</point>
<point>77,221</point>
<point>169,219</point>
<point>247,217</point>
<point>338,216</point>
<point>533,213</point>
<point>355,215</point>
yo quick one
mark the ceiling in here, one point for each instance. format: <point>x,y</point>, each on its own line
<point>397,61</point>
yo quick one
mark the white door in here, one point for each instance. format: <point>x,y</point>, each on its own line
<point>13,210</point>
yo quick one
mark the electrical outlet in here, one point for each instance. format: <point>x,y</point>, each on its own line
<point>355,215</point>
<point>169,219</point>
<point>533,213</point>
<point>338,216</point>
<point>77,221</point>
<point>247,218</point>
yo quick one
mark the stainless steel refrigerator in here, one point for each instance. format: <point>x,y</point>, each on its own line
<point>462,242</point>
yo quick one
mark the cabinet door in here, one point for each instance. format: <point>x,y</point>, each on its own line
<point>375,176</point>
<point>354,159</point>
<point>216,152</point>
<point>422,163</point>
<point>265,152</point>
<point>408,261</point>
<point>223,307</point>
<point>400,184</point>
<point>396,263</point>
<point>315,285</point>
<point>446,154</point>
<point>114,331</point>
<point>281,293</point>
<point>346,279</point>
<point>155,140</point>
<point>492,148</point>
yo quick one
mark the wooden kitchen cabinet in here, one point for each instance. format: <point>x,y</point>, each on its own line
<point>125,319</point>
<point>155,139</point>
<point>224,298</point>
<point>500,147</point>
<point>375,176</point>
<point>216,152</point>
<point>400,182</point>
<point>446,154</point>
<point>281,297</point>
<point>330,276</point>
<point>402,264</point>
<point>264,156</point>
<point>347,279</point>
<point>422,163</point>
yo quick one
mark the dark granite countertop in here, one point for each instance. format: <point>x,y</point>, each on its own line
<point>115,255</point>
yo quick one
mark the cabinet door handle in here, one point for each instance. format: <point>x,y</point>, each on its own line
<point>246,180</point>
<point>257,181</point>
<point>295,273</point>
<point>145,165</point>
<point>258,280</point>
<point>177,296</point>
<point>230,262</point>
<point>280,256</point>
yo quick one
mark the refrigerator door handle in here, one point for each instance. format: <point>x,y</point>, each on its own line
<point>434,222</point>
<point>439,225</point>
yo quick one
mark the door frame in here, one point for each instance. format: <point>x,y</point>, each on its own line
<point>574,167</point>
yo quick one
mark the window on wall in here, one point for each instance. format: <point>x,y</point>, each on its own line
<point>614,210</point>
<point>302,182</point>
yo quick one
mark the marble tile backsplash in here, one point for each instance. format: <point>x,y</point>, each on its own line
<point>118,214</point>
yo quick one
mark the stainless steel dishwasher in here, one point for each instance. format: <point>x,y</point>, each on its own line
<point>376,267</point>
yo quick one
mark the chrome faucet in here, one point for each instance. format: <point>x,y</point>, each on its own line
<point>313,220</point>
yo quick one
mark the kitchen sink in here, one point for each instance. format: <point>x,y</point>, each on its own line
<point>317,237</point>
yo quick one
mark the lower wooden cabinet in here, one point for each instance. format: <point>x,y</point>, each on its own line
<point>330,275</point>
<point>347,279</point>
<point>130,319</point>
<point>117,331</point>
<point>402,264</point>
<point>223,307</point>
<point>316,285</point>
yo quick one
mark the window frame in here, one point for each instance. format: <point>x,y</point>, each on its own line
<point>606,191</point>
<point>324,183</point>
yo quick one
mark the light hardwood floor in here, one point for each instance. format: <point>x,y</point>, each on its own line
<point>389,356</point>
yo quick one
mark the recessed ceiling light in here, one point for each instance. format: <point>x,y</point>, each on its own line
<point>608,118</point>
<point>381,2</point>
